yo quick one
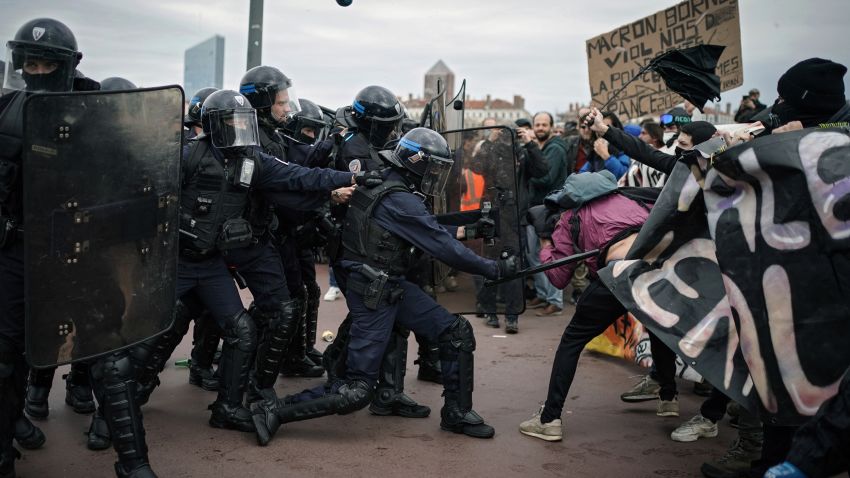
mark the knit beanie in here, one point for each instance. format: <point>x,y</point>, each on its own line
<point>699,131</point>
<point>814,85</point>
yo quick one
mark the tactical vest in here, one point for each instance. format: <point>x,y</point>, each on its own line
<point>260,212</point>
<point>11,144</point>
<point>212,206</point>
<point>365,241</point>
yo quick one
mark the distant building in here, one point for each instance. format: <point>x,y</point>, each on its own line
<point>442,74</point>
<point>203,65</point>
<point>475,111</point>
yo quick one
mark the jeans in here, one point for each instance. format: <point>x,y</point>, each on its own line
<point>544,289</point>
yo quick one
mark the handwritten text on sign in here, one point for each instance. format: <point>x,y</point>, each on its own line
<point>615,57</point>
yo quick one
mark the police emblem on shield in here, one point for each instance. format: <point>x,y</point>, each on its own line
<point>37,33</point>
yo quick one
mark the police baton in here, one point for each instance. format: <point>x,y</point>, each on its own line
<point>543,267</point>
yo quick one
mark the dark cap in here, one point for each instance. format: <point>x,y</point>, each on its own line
<point>814,85</point>
<point>523,123</point>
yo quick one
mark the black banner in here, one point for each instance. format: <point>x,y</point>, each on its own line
<point>743,268</point>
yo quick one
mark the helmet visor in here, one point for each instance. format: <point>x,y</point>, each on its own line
<point>234,128</point>
<point>31,68</point>
<point>436,174</point>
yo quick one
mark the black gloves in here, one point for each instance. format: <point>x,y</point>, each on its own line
<point>368,179</point>
<point>508,265</point>
<point>482,228</point>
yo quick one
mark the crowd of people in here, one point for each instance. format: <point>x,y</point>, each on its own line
<point>265,178</point>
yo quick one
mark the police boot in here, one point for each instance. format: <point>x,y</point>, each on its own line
<point>142,471</point>
<point>296,363</point>
<point>429,362</point>
<point>98,437</point>
<point>239,345</point>
<point>38,390</point>
<point>390,398</point>
<point>457,344</point>
<point>313,297</point>
<point>342,398</point>
<point>122,413</point>
<point>78,393</point>
<point>7,462</point>
<point>149,357</point>
<point>28,435</point>
<point>206,336</point>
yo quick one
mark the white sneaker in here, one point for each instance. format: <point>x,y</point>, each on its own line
<point>332,294</point>
<point>545,431</point>
<point>693,429</point>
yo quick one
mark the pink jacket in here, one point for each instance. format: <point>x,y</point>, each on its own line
<point>601,220</point>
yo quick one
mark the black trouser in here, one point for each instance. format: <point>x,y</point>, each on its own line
<point>596,310</point>
<point>714,407</point>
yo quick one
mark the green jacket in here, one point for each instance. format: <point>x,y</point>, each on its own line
<point>555,152</point>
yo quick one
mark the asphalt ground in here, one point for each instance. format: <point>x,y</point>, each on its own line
<point>603,437</point>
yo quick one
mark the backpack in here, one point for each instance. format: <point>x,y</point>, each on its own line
<point>578,191</point>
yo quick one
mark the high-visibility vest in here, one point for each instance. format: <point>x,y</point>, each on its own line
<point>471,198</point>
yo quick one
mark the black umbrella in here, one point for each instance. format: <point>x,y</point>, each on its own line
<point>687,72</point>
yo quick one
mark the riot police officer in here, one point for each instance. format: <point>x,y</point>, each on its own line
<point>385,229</point>
<point>44,57</point>
<point>298,237</point>
<point>192,119</point>
<point>219,172</point>
<point>376,118</point>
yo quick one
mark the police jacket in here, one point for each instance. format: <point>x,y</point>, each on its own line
<point>388,226</point>
<point>215,193</point>
<point>11,143</point>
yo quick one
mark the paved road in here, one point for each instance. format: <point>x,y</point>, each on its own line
<point>604,437</point>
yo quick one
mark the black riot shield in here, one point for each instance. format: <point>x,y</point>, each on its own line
<point>101,188</point>
<point>483,184</point>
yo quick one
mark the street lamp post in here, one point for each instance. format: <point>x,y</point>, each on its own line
<point>255,34</point>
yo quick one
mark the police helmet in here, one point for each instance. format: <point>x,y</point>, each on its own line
<point>377,113</point>
<point>426,154</point>
<point>42,57</point>
<point>261,86</point>
<point>193,115</point>
<point>116,83</point>
<point>305,126</point>
<point>229,120</point>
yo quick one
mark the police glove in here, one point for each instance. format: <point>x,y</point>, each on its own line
<point>508,265</point>
<point>482,228</point>
<point>368,179</point>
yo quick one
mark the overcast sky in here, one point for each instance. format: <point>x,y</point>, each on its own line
<point>535,48</point>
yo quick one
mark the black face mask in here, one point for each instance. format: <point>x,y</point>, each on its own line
<point>57,80</point>
<point>679,151</point>
<point>788,113</point>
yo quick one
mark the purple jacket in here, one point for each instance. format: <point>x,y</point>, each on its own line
<point>601,220</point>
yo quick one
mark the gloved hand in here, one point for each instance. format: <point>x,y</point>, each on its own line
<point>368,179</point>
<point>508,264</point>
<point>482,228</point>
<point>784,470</point>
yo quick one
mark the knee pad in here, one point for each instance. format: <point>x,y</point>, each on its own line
<point>353,396</point>
<point>458,336</point>
<point>241,332</point>
<point>113,368</point>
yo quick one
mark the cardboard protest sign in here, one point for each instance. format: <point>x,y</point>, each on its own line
<point>613,58</point>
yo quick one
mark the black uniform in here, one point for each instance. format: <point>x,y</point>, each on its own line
<point>386,228</point>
